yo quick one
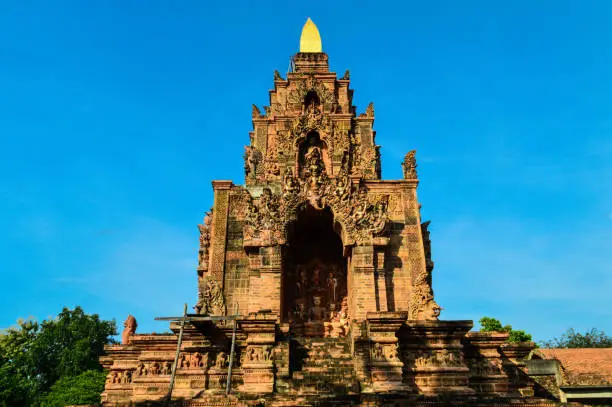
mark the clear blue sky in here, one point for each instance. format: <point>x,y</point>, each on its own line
<point>115,117</point>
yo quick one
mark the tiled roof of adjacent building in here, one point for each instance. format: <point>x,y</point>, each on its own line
<point>582,366</point>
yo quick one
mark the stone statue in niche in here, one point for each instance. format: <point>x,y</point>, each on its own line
<point>316,312</point>
<point>332,287</point>
<point>302,282</point>
<point>129,329</point>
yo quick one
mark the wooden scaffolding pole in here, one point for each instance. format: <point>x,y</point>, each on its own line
<point>176,355</point>
<point>195,318</point>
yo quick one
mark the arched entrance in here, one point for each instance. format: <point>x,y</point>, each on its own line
<point>314,278</point>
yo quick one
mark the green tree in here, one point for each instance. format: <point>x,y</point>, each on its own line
<point>70,345</point>
<point>573,339</point>
<point>18,382</point>
<point>488,324</point>
<point>33,357</point>
<point>73,390</point>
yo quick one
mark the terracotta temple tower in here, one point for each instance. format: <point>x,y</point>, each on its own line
<point>323,269</point>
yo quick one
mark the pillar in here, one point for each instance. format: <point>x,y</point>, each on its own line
<point>386,365</point>
<point>258,364</point>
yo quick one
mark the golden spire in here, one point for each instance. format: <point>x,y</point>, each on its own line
<point>310,41</point>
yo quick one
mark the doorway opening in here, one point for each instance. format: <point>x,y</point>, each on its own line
<point>314,278</point>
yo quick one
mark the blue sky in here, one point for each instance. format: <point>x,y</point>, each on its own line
<point>115,117</point>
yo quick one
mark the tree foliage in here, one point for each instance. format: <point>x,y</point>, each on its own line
<point>33,357</point>
<point>489,324</point>
<point>73,390</point>
<point>573,339</point>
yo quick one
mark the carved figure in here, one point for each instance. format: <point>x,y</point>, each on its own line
<point>300,312</point>
<point>302,283</point>
<point>140,369</point>
<point>221,360</point>
<point>204,242</point>
<point>449,358</point>
<point>316,312</point>
<point>115,378</point>
<point>377,352</point>
<point>332,286</point>
<point>409,165</point>
<point>212,301</point>
<point>267,354</point>
<point>126,377</point>
<point>290,184</point>
<point>360,219</point>
<point>424,358</point>
<point>250,354</point>
<point>347,75</point>
<point>338,324</point>
<point>129,329</point>
<point>390,352</point>
<point>370,110</point>
<point>195,360</point>
<point>252,158</point>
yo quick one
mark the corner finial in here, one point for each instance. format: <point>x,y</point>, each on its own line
<point>310,41</point>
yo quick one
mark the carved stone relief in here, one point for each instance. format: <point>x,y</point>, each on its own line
<point>360,216</point>
<point>409,165</point>
<point>204,253</point>
<point>129,329</point>
<point>119,377</point>
<point>157,368</point>
<point>211,301</point>
<point>434,358</point>
<point>385,352</point>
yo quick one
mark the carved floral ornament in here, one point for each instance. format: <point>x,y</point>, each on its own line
<point>360,216</point>
<point>308,84</point>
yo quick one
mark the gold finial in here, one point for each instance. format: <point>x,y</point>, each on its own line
<point>310,41</point>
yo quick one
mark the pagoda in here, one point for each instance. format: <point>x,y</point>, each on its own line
<point>315,278</point>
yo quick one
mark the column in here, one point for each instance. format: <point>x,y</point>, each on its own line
<point>386,364</point>
<point>258,364</point>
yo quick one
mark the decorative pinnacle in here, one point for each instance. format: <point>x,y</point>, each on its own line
<point>310,41</point>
